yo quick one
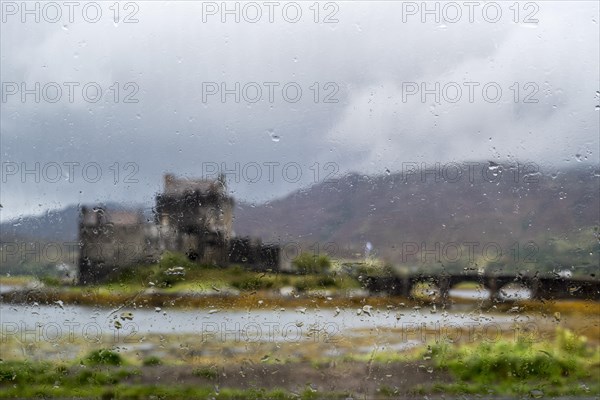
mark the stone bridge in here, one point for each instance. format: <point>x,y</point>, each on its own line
<point>540,287</point>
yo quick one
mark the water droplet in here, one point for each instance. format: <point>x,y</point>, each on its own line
<point>557,316</point>
<point>494,168</point>
<point>126,315</point>
<point>536,394</point>
<point>274,137</point>
<point>585,387</point>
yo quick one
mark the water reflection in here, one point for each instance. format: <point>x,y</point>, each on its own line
<point>273,324</point>
<point>520,293</point>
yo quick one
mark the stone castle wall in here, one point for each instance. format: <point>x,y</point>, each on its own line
<point>192,217</point>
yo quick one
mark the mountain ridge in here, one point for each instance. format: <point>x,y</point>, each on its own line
<point>394,210</point>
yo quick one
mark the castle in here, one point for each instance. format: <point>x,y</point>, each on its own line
<point>193,217</point>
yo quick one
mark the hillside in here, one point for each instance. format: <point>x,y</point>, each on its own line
<point>406,217</point>
<point>396,213</point>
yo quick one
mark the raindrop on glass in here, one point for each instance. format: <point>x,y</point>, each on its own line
<point>274,137</point>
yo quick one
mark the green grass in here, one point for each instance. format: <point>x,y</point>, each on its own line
<point>138,391</point>
<point>198,278</point>
<point>27,374</point>
<point>152,361</point>
<point>104,357</point>
<point>566,366</point>
<point>308,263</point>
<point>24,379</point>
<point>206,372</point>
<point>519,367</point>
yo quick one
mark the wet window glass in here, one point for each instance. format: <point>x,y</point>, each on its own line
<point>309,199</point>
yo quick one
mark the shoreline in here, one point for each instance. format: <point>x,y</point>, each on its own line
<point>99,297</point>
<point>156,298</point>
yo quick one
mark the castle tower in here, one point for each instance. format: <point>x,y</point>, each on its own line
<point>195,217</point>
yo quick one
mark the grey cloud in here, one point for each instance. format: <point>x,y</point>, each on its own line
<point>369,54</point>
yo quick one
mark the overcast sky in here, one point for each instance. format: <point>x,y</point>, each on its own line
<point>372,60</point>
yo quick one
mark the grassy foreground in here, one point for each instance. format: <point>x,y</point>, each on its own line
<point>566,366</point>
<point>177,281</point>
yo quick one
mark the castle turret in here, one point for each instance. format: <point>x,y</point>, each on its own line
<point>195,216</point>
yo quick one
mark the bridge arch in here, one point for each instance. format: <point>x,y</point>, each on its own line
<point>469,289</point>
<point>425,289</point>
<point>515,291</point>
<point>510,287</point>
<point>514,287</point>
